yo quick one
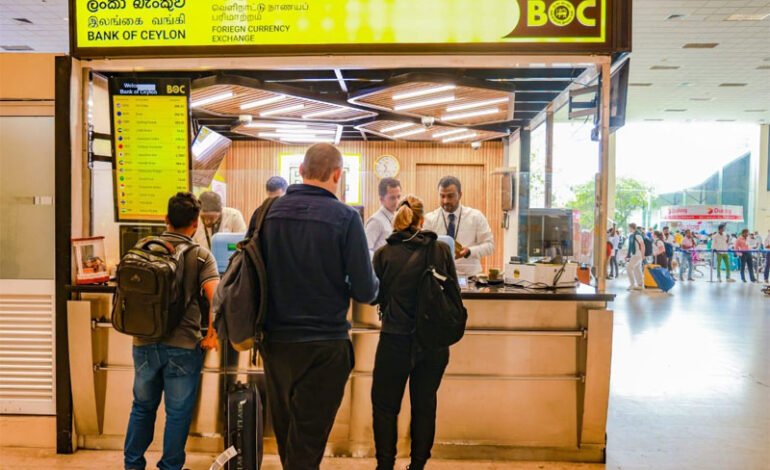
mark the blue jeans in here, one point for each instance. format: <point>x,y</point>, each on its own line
<point>685,258</point>
<point>173,373</point>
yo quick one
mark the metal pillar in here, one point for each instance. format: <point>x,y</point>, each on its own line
<point>549,157</point>
<point>602,186</point>
<point>523,199</point>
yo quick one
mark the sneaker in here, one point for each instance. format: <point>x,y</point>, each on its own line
<point>729,279</point>
<point>639,288</point>
<point>690,279</point>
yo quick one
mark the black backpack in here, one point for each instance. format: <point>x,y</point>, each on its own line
<point>240,301</point>
<point>441,315</point>
<point>152,297</point>
<point>647,245</point>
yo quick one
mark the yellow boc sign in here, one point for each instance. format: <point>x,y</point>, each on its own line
<point>560,13</point>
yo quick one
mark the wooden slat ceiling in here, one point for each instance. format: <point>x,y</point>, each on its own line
<point>439,104</point>
<point>290,132</point>
<point>406,131</point>
<point>306,109</point>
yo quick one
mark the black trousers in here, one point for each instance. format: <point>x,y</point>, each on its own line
<point>305,385</point>
<point>399,358</point>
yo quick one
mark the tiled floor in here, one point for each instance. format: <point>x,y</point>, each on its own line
<point>690,390</point>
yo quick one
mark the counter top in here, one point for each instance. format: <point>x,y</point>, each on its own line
<point>582,293</point>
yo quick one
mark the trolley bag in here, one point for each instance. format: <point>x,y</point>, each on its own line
<point>663,278</point>
<point>649,281</point>
<point>244,426</point>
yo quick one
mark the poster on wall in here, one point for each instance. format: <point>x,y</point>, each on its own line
<point>289,166</point>
<point>151,145</point>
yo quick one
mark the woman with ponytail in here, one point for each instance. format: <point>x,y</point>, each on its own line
<point>400,265</point>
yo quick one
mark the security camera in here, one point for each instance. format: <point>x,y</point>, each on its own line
<point>244,118</point>
<point>475,145</point>
<point>428,121</point>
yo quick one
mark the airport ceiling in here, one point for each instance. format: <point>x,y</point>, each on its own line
<point>693,60</point>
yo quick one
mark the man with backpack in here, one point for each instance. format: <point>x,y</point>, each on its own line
<point>168,363</point>
<point>636,254</point>
<point>669,242</point>
<point>317,259</point>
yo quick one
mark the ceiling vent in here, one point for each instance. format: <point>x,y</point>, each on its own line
<point>16,48</point>
<point>728,85</point>
<point>725,120</point>
<point>675,110</point>
<point>675,16</point>
<point>756,110</point>
<point>654,120</point>
<point>664,67</point>
<point>700,45</point>
<point>22,20</point>
<point>640,84</point>
<point>702,99</point>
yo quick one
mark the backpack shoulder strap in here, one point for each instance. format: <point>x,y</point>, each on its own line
<point>189,256</point>
<point>262,212</point>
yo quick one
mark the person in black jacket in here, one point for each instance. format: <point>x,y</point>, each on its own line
<point>399,357</point>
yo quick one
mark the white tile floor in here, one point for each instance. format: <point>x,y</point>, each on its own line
<point>690,390</point>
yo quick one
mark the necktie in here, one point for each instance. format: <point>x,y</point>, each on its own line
<point>450,230</point>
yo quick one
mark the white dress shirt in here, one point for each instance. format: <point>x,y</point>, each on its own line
<point>231,222</point>
<point>378,229</point>
<point>472,231</point>
<point>720,241</point>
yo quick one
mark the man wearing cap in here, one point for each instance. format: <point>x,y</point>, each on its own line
<point>215,219</point>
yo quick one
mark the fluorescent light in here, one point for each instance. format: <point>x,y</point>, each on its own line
<point>306,139</point>
<point>482,112</point>
<point>397,127</point>
<point>460,137</point>
<point>212,99</point>
<point>477,104</point>
<point>265,102</point>
<point>424,103</point>
<point>276,135</point>
<point>326,112</point>
<point>446,133</point>
<point>748,17</point>
<point>306,131</point>
<point>423,92</point>
<point>284,110</point>
<point>408,133</point>
<point>338,137</point>
<point>265,125</point>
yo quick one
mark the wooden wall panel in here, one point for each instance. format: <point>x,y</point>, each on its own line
<point>249,164</point>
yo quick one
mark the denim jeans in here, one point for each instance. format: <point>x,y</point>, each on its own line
<point>685,259</point>
<point>175,374</point>
<point>747,261</point>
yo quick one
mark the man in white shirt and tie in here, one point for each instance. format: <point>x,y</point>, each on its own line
<point>380,224</point>
<point>469,227</point>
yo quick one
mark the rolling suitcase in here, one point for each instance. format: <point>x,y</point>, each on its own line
<point>244,426</point>
<point>649,281</point>
<point>663,278</point>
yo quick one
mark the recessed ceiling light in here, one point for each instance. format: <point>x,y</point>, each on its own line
<point>732,84</point>
<point>675,16</point>
<point>477,104</point>
<point>23,20</point>
<point>700,45</point>
<point>16,48</point>
<point>423,92</point>
<point>424,103</point>
<point>212,99</point>
<point>284,110</point>
<point>664,67</point>
<point>640,84</point>
<point>460,137</point>
<point>482,112</point>
<point>397,127</point>
<point>327,112</point>
<point>447,133</point>
<point>675,110</point>
<point>268,125</point>
<point>306,139</point>
<point>747,17</point>
<point>264,102</point>
<point>756,110</point>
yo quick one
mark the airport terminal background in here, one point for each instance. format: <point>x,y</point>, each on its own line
<point>690,370</point>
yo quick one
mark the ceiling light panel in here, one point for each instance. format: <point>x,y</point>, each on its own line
<point>398,127</point>
<point>459,138</point>
<point>421,134</point>
<point>440,102</point>
<point>212,99</point>
<point>471,114</point>
<point>263,102</point>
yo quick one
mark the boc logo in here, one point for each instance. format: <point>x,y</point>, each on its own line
<point>559,13</point>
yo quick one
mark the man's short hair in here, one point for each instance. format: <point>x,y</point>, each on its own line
<point>320,162</point>
<point>666,228</point>
<point>448,181</point>
<point>632,225</point>
<point>210,202</point>
<point>183,210</point>
<point>386,183</point>
<point>721,226</point>
<point>276,183</point>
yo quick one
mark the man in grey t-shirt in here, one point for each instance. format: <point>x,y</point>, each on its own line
<point>172,367</point>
